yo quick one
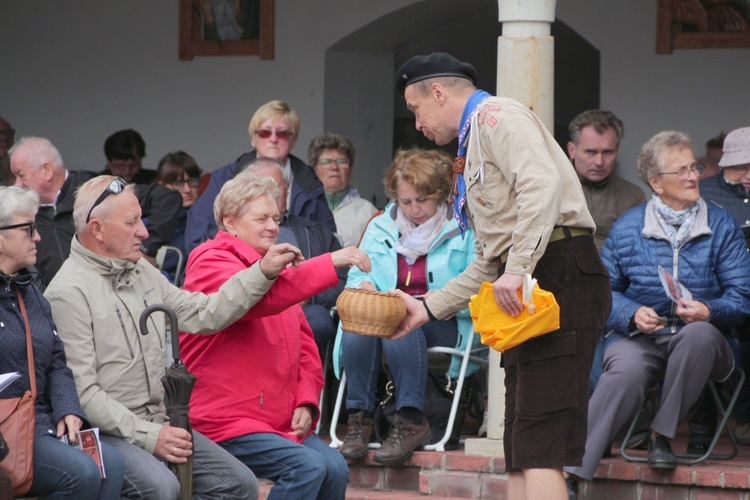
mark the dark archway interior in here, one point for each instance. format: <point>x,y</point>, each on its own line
<point>468,30</point>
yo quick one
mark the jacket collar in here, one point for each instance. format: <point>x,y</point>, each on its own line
<point>105,266</point>
<point>652,228</point>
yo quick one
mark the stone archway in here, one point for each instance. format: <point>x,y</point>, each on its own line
<point>360,101</point>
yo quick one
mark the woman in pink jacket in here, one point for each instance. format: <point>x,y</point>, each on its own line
<point>259,379</point>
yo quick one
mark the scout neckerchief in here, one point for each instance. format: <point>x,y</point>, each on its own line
<point>459,186</point>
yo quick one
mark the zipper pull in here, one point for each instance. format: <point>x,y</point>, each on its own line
<point>262,395</point>
<point>408,278</point>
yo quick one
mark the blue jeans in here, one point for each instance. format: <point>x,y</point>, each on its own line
<point>216,474</point>
<point>407,360</point>
<point>300,471</point>
<point>62,471</point>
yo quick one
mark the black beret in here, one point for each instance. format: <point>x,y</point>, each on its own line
<point>436,64</point>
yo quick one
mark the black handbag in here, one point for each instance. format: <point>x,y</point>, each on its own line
<point>439,393</point>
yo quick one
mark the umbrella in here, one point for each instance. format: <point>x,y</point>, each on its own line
<point>178,385</point>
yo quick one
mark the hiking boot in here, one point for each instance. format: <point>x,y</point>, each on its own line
<point>403,438</point>
<point>359,430</point>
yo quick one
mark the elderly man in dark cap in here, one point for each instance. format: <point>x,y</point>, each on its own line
<point>730,189</point>
<point>514,185</point>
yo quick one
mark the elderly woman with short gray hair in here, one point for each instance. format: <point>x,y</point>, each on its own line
<point>259,379</point>
<point>649,335</point>
<point>59,470</point>
<point>332,157</point>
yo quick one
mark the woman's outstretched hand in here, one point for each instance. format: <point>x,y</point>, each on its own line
<point>352,256</point>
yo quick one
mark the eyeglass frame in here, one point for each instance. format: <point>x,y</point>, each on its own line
<point>8,132</point>
<point>31,227</point>
<point>264,133</point>
<point>744,168</point>
<point>684,172</point>
<point>193,182</point>
<point>119,186</point>
<point>328,162</point>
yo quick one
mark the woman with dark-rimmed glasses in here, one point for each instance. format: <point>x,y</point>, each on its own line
<point>60,471</point>
<point>179,172</point>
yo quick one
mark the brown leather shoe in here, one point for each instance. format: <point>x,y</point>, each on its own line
<point>403,438</point>
<point>358,433</point>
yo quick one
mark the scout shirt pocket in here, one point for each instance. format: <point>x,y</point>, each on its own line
<point>487,196</point>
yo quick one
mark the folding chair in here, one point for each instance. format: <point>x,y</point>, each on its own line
<point>161,255</point>
<point>322,400</point>
<point>461,355</point>
<point>724,412</point>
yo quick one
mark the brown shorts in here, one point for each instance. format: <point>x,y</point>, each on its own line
<point>547,378</point>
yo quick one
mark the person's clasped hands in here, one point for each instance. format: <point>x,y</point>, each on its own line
<point>648,321</point>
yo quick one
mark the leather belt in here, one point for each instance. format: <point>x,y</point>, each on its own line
<point>558,233</point>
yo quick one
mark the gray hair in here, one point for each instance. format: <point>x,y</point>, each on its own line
<point>16,200</point>
<point>599,119</point>
<point>649,161</point>
<point>86,196</point>
<point>263,161</point>
<point>329,140</point>
<point>236,193</point>
<point>39,151</point>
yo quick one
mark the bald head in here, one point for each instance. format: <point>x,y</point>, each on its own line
<point>268,167</point>
<point>38,166</point>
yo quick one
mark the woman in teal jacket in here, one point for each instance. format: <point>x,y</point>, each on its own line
<point>415,246</point>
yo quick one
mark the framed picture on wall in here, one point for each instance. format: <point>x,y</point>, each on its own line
<point>226,28</point>
<point>697,24</point>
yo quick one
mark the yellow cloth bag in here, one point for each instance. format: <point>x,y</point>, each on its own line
<point>503,332</point>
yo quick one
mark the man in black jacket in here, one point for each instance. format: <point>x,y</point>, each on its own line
<point>38,166</point>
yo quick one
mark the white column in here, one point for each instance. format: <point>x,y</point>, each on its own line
<point>525,72</point>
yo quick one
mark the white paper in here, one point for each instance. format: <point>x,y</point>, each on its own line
<point>672,287</point>
<point>528,288</point>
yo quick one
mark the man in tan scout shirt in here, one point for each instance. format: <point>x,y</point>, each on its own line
<point>526,206</point>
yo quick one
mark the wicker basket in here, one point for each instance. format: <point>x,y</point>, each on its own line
<point>370,313</point>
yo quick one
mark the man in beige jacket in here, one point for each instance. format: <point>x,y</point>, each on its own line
<point>515,187</point>
<point>97,298</point>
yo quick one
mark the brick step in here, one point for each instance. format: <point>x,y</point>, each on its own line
<point>363,493</point>
<point>451,474</point>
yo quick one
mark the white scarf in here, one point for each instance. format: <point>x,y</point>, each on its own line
<point>415,240</point>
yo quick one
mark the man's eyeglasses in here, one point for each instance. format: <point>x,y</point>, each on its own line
<point>281,134</point>
<point>193,182</point>
<point>115,187</point>
<point>29,226</point>
<point>8,132</point>
<point>341,162</point>
<point>684,172</point>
